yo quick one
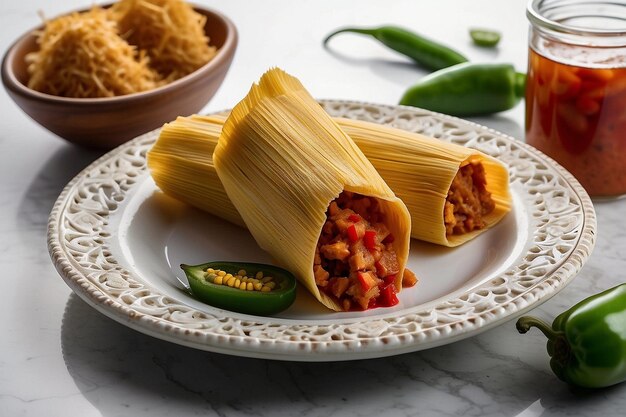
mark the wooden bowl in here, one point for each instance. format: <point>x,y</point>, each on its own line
<point>107,122</point>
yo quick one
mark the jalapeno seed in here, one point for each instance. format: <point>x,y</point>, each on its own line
<point>241,281</point>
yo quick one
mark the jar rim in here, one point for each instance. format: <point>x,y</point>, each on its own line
<point>534,15</point>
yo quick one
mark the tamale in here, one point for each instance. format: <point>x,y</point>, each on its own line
<point>302,185</point>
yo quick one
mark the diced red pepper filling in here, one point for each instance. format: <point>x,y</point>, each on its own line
<point>468,200</point>
<point>355,261</point>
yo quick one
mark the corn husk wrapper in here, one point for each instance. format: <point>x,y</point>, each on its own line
<point>181,164</point>
<point>417,168</point>
<point>420,170</point>
<point>282,161</point>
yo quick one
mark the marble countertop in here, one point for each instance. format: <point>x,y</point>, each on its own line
<point>60,357</point>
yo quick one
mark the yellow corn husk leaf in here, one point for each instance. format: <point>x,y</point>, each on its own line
<point>417,168</point>
<point>181,164</point>
<point>282,161</point>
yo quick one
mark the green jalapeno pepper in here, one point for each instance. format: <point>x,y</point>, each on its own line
<point>485,37</point>
<point>425,52</point>
<point>587,343</point>
<point>266,289</point>
<point>468,89</point>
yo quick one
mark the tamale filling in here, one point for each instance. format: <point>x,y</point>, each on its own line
<point>355,262</point>
<point>468,200</point>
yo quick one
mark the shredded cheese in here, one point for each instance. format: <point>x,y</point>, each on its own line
<point>135,45</point>
<point>80,55</point>
<point>170,31</point>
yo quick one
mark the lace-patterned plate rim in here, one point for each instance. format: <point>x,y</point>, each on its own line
<point>467,314</point>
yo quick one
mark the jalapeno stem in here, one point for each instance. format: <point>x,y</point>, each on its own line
<point>525,323</point>
<point>371,32</point>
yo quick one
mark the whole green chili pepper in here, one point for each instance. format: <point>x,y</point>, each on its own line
<point>587,343</point>
<point>250,300</point>
<point>427,53</point>
<point>468,89</point>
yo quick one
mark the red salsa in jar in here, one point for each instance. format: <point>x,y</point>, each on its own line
<point>576,97</point>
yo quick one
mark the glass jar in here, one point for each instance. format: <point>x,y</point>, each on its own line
<point>576,89</point>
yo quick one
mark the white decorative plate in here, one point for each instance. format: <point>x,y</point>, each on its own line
<point>117,241</point>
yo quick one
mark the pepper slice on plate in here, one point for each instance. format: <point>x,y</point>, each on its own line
<point>249,288</point>
<point>587,343</point>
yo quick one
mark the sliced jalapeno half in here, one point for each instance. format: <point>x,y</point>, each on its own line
<point>249,288</point>
<point>485,37</point>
